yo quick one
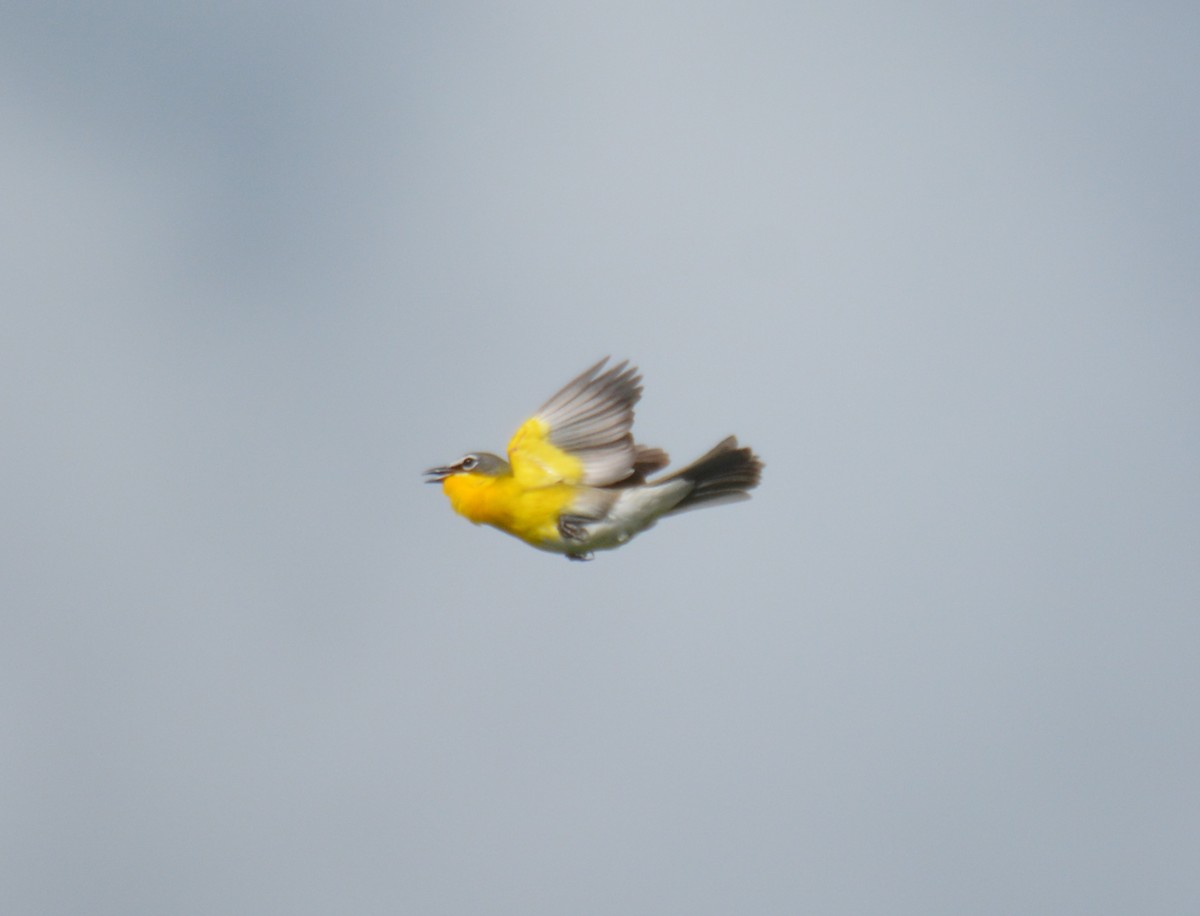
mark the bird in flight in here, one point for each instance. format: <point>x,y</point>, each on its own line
<point>576,482</point>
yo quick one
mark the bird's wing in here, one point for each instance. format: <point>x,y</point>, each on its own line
<point>581,435</point>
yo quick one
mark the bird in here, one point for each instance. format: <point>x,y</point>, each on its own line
<point>575,481</point>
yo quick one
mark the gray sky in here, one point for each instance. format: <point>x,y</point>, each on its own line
<point>936,263</point>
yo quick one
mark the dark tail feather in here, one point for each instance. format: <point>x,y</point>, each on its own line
<point>725,474</point>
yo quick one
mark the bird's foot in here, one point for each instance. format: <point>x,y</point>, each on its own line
<point>573,527</point>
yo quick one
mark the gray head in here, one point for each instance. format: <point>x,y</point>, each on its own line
<point>484,463</point>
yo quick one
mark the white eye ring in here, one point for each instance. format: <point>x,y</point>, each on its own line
<point>468,463</point>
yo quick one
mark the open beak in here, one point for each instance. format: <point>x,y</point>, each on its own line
<point>437,475</point>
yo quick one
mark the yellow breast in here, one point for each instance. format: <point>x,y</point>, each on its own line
<point>530,514</point>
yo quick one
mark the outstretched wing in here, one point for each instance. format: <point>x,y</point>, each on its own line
<point>582,434</point>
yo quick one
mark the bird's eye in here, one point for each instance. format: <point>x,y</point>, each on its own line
<point>469,463</point>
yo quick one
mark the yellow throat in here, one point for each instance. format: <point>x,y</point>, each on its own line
<point>501,501</point>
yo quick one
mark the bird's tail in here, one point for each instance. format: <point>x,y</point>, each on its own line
<point>724,474</point>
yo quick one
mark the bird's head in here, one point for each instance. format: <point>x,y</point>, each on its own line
<point>480,464</point>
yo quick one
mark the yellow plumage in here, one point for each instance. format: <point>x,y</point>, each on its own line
<point>536,461</point>
<point>575,481</point>
<point>505,503</point>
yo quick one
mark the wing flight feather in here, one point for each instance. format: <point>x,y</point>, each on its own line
<point>582,433</point>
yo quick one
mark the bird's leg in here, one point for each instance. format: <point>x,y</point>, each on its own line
<point>573,527</point>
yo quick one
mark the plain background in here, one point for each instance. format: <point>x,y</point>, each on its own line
<point>937,263</point>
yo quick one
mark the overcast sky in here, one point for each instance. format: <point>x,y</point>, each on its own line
<point>937,263</point>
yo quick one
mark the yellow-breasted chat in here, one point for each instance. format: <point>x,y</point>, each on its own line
<point>576,482</point>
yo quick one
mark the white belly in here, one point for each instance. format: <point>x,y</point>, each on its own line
<point>634,510</point>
